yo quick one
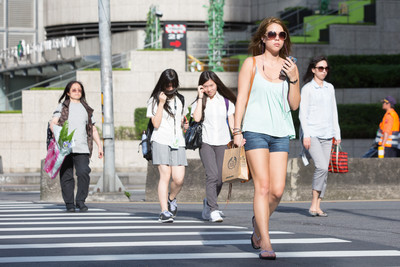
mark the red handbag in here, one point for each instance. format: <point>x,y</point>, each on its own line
<point>338,162</point>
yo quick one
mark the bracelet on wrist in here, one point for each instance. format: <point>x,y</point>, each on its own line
<point>295,81</point>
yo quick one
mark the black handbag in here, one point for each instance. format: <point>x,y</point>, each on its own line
<point>193,136</point>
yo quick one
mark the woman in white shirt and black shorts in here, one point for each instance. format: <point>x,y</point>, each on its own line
<point>215,107</point>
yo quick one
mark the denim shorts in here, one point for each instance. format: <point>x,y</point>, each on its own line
<point>259,140</point>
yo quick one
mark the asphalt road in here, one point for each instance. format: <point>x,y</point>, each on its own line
<point>362,233</point>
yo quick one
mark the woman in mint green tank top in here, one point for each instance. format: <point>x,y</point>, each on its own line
<point>268,89</point>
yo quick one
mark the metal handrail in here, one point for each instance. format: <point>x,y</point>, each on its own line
<point>61,77</point>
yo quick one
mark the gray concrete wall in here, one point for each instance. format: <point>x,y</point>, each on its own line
<point>367,179</point>
<point>120,43</point>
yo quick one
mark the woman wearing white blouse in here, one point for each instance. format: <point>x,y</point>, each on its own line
<point>214,106</point>
<point>319,123</point>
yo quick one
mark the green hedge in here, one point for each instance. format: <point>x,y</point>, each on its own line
<point>357,121</point>
<point>140,121</point>
<point>364,71</point>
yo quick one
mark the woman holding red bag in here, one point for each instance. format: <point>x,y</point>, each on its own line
<point>319,124</point>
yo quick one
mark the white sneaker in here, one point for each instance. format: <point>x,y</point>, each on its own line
<point>215,216</point>
<point>221,213</point>
<point>206,210</point>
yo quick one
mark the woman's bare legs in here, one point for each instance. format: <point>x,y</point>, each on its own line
<point>165,174</point>
<point>269,184</point>
<point>178,173</point>
<point>258,160</point>
<point>316,201</point>
<point>277,178</point>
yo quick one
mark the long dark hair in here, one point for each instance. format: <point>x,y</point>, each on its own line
<point>168,77</point>
<point>309,74</point>
<point>65,95</point>
<point>207,75</point>
<point>257,46</point>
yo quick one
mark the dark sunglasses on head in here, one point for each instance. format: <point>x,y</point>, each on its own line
<point>321,69</point>
<point>272,35</point>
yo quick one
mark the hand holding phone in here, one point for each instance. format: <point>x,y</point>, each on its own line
<point>283,73</point>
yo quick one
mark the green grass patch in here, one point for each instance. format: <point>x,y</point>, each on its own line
<point>46,88</point>
<point>114,69</point>
<point>156,49</point>
<point>10,111</point>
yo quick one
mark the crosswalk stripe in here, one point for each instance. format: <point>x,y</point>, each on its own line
<point>136,227</point>
<point>14,206</point>
<point>47,209</point>
<point>78,218</point>
<point>16,202</point>
<point>160,243</point>
<point>65,214</point>
<point>97,222</point>
<point>81,235</point>
<point>193,256</point>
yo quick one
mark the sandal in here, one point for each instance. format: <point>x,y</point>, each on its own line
<point>270,255</point>
<point>254,234</point>
<point>322,214</point>
<point>312,213</point>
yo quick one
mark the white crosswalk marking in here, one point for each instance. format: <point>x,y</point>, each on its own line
<point>27,227</point>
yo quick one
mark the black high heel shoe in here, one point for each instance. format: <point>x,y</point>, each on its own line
<point>254,234</point>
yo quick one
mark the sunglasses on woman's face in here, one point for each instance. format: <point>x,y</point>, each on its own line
<point>321,69</point>
<point>271,35</point>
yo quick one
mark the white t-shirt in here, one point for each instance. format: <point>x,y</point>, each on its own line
<point>165,133</point>
<point>215,126</point>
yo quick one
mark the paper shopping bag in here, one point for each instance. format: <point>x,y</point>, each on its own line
<point>338,162</point>
<point>234,167</point>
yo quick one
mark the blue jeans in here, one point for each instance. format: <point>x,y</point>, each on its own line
<point>259,140</point>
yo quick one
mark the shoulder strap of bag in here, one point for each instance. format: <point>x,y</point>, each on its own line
<point>251,80</point>
<point>251,85</point>
<point>226,105</point>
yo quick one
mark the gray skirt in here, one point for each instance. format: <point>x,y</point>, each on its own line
<point>164,155</point>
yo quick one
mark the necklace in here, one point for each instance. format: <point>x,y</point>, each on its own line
<point>266,75</point>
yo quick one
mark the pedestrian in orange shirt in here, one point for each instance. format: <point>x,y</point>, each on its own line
<point>388,132</point>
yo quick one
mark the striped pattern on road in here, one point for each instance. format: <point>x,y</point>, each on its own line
<point>25,217</point>
<point>172,243</point>
<point>193,256</point>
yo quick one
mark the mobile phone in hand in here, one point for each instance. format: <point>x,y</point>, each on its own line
<point>283,74</point>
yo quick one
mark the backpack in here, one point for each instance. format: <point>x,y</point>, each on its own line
<point>146,136</point>
<point>146,144</point>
